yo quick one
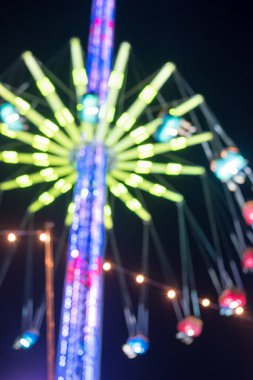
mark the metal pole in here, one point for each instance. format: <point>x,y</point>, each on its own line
<point>49,272</point>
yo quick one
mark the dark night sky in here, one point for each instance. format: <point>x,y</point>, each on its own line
<point>211,43</point>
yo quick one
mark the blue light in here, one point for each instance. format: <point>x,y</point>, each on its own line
<point>168,129</point>
<point>229,165</point>
<point>80,331</point>
<point>139,344</point>
<point>29,338</point>
<point>89,108</point>
<point>10,116</point>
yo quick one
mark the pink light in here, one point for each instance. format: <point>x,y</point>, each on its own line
<point>190,326</point>
<point>232,298</point>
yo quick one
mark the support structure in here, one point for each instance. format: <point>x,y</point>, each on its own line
<point>49,271</point>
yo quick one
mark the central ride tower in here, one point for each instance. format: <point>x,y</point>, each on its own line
<point>80,336</point>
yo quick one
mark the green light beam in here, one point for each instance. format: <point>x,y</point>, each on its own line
<point>47,89</point>
<point>146,96</point>
<point>114,86</point>
<point>36,141</point>
<point>70,213</point>
<point>80,81</point>
<point>79,75</point>
<point>171,168</point>
<point>27,180</point>
<point>150,150</point>
<point>45,126</point>
<point>60,187</point>
<point>108,222</point>
<point>138,135</point>
<point>187,106</point>
<point>37,159</point>
<point>137,181</point>
<point>120,191</point>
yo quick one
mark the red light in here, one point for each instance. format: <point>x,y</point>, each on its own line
<point>247,212</point>
<point>232,299</point>
<point>247,260</point>
<point>190,326</point>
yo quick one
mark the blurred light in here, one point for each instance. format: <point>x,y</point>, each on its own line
<point>107,266</point>
<point>24,343</point>
<point>229,165</point>
<point>140,279</point>
<point>128,351</point>
<point>190,326</point>
<point>168,129</point>
<point>90,108</point>
<point>190,332</point>
<point>29,338</point>
<point>43,237</point>
<point>247,212</point>
<point>205,302</point>
<point>74,253</point>
<point>232,298</point>
<point>139,344</point>
<point>10,116</point>
<point>171,294</point>
<point>11,237</point>
<point>247,260</point>
<point>239,310</point>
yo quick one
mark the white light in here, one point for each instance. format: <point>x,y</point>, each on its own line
<point>43,237</point>
<point>85,193</point>
<point>68,303</point>
<point>205,302</point>
<point>74,253</point>
<point>107,266</point>
<point>171,294</point>
<point>239,310</point>
<point>190,332</point>
<point>91,111</point>
<point>65,331</point>
<point>139,279</point>
<point>138,349</point>
<point>11,237</point>
<point>128,351</point>
<point>24,343</point>
<point>12,118</point>
<point>233,304</point>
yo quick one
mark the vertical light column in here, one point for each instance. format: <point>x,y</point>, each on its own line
<point>100,47</point>
<point>71,336</point>
<point>80,335</point>
<point>80,331</point>
<point>94,299</point>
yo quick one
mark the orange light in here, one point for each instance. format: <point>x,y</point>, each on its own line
<point>140,278</point>
<point>107,266</point>
<point>239,310</point>
<point>43,237</point>
<point>171,294</point>
<point>205,302</point>
<point>11,237</point>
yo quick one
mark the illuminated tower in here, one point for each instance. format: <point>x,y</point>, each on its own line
<point>81,319</point>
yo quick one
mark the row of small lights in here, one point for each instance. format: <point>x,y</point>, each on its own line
<point>12,237</point>
<point>171,293</point>
<point>139,278</point>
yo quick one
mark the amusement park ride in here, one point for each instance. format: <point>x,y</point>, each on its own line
<point>95,150</point>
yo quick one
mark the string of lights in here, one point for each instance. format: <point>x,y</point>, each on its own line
<point>170,292</point>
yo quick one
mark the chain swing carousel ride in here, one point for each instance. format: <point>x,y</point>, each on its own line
<point>104,147</point>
